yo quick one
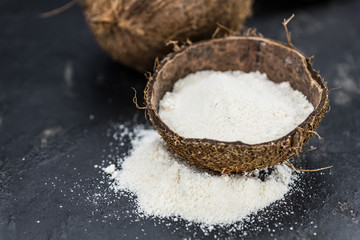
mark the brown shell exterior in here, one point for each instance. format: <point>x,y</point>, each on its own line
<point>281,62</point>
<point>134,32</point>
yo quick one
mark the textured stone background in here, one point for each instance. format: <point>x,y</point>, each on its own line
<point>59,94</point>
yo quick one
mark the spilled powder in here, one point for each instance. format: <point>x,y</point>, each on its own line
<point>233,106</point>
<point>167,187</point>
<point>228,106</point>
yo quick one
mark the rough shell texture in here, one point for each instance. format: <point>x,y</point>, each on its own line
<point>279,61</point>
<point>134,32</point>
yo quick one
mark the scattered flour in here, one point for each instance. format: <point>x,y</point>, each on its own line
<point>233,106</point>
<point>166,186</point>
<point>226,106</point>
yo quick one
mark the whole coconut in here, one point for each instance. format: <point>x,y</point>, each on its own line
<point>134,32</point>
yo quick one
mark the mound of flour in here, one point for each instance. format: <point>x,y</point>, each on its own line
<point>232,106</point>
<point>165,186</point>
<point>226,106</point>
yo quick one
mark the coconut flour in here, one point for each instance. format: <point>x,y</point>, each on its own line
<point>233,106</point>
<point>226,106</point>
<point>165,186</point>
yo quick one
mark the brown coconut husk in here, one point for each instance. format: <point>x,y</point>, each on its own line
<point>134,32</point>
<point>280,61</point>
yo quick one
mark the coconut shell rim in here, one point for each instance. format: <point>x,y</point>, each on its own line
<point>159,123</point>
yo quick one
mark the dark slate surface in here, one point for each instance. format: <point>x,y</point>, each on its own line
<point>59,93</point>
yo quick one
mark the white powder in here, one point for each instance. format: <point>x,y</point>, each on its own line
<point>233,106</point>
<point>226,106</point>
<point>165,186</point>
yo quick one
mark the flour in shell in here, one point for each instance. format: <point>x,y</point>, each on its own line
<point>233,106</point>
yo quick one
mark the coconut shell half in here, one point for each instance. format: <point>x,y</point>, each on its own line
<point>280,61</point>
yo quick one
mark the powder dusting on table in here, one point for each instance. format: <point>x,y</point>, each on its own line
<point>165,186</point>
